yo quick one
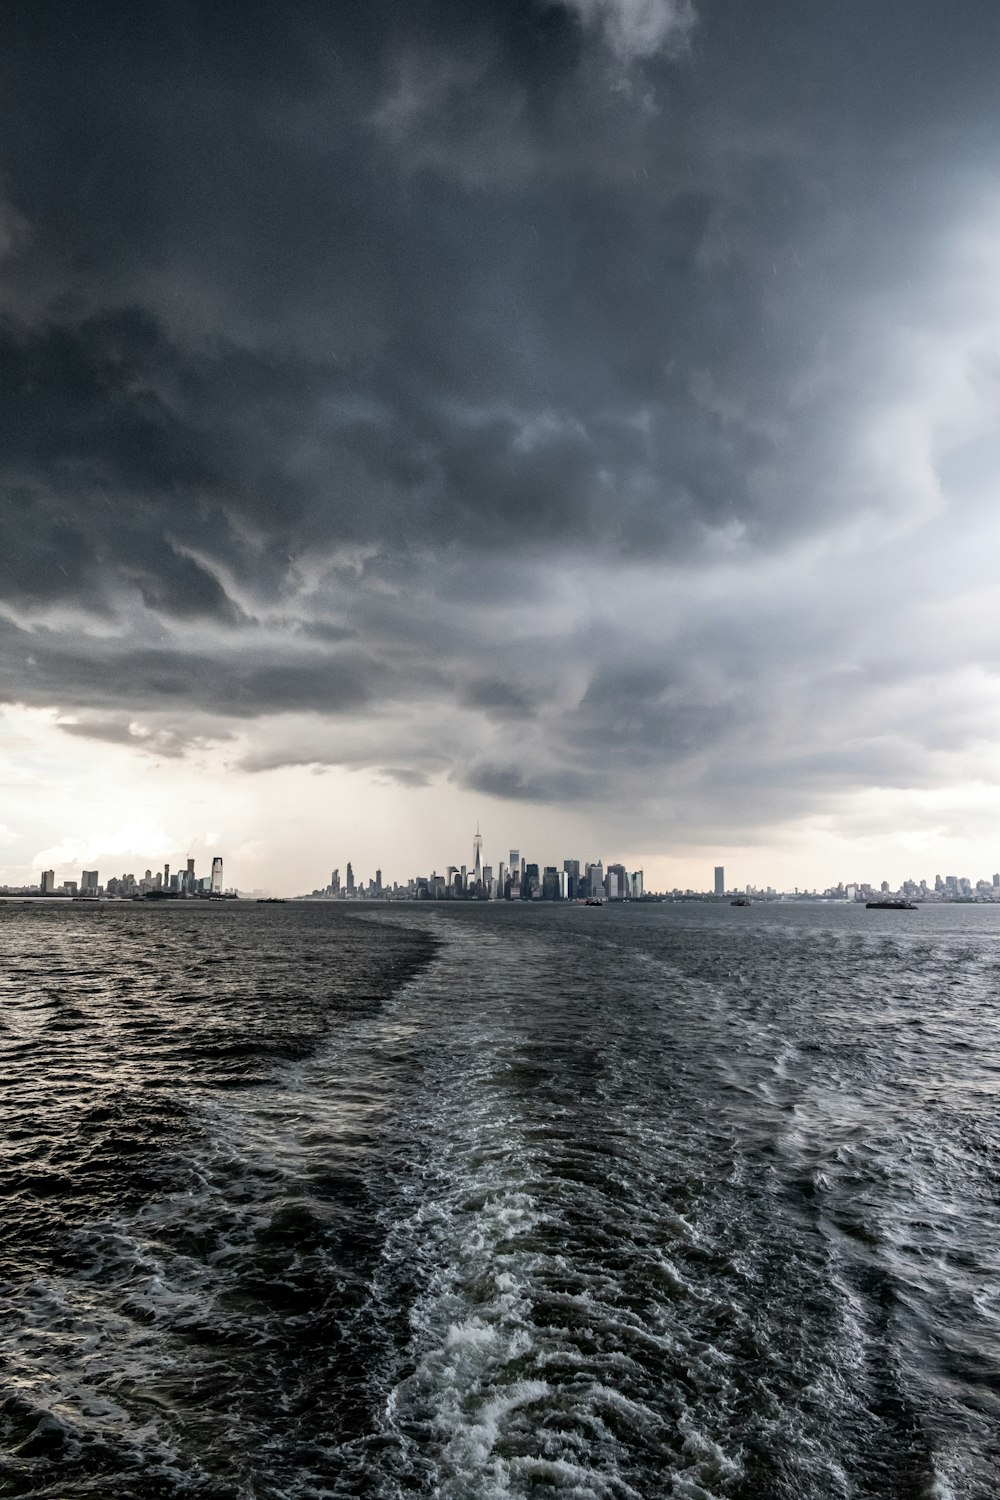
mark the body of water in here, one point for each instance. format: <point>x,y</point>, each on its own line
<point>483,1201</point>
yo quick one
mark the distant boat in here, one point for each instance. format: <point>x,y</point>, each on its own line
<point>271,900</point>
<point>593,901</point>
<point>890,904</point>
<point>741,901</point>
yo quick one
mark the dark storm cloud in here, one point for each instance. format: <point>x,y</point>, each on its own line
<point>525,784</point>
<point>501,700</point>
<point>404,776</point>
<point>152,740</point>
<point>321,328</point>
<point>36,667</point>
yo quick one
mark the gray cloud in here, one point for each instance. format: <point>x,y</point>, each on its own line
<point>499,699</point>
<point>523,783</point>
<point>639,28</point>
<point>152,739</point>
<point>357,364</point>
<point>42,667</point>
<point>404,776</point>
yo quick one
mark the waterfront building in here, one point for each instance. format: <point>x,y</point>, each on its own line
<point>48,882</point>
<point>217,875</point>
<point>720,880</point>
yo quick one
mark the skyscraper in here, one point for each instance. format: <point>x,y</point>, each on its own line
<point>217,875</point>
<point>350,878</point>
<point>48,882</point>
<point>720,880</point>
<point>477,861</point>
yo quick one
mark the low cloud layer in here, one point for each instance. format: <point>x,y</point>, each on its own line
<point>586,404</point>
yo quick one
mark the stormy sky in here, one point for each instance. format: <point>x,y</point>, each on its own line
<point>578,415</point>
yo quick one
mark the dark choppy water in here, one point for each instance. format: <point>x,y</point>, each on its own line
<point>638,1201</point>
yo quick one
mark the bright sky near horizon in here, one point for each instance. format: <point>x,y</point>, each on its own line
<point>579,416</point>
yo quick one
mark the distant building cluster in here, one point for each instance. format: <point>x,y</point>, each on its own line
<point>164,882</point>
<point>516,879</point>
<point>945,888</point>
<point>512,879</point>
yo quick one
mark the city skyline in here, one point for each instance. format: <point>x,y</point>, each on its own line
<point>172,881</point>
<point>462,879</point>
<point>519,878</point>
<point>516,878</point>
